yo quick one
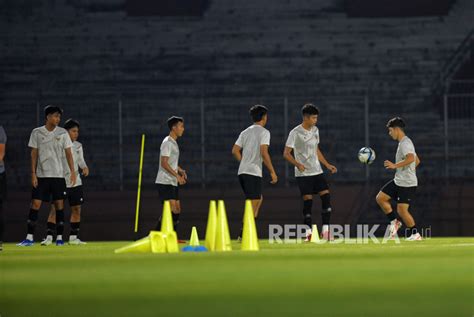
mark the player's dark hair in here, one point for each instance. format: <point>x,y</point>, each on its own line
<point>172,121</point>
<point>396,122</point>
<point>71,123</point>
<point>257,112</point>
<point>309,110</point>
<point>52,109</point>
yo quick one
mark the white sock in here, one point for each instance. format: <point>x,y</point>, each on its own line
<point>59,237</point>
<point>49,237</point>
<point>72,237</point>
<point>325,228</point>
<point>29,236</point>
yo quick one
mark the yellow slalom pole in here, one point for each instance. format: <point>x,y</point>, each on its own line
<point>137,211</point>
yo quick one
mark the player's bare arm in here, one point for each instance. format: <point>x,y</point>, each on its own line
<point>323,160</point>
<point>268,163</point>
<point>34,161</point>
<point>236,152</point>
<point>410,158</point>
<point>287,155</point>
<point>2,152</point>
<point>70,163</point>
<point>169,169</point>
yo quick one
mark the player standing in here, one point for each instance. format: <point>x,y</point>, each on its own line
<point>303,141</point>
<point>74,193</point>
<point>48,145</point>
<point>170,175</point>
<point>402,188</point>
<point>250,149</point>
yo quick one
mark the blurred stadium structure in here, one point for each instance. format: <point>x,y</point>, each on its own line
<point>121,71</point>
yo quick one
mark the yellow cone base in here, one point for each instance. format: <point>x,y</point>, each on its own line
<point>314,234</point>
<point>155,242</point>
<point>249,232</point>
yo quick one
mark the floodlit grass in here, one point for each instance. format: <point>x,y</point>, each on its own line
<point>429,278</point>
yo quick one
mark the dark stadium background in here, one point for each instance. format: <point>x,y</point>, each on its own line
<point>121,67</point>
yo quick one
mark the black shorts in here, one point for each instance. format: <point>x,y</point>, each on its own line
<point>402,195</point>
<point>75,196</point>
<point>49,189</point>
<point>168,192</point>
<point>3,186</point>
<point>251,185</point>
<point>311,185</point>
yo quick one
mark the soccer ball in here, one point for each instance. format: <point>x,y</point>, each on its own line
<point>366,155</point>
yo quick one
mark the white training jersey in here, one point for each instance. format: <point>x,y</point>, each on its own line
<point>405,176</point>
<point>169,147</point>
<point>51,146</point>
<point>305,146</point>
<point>250,141</point>
<point>79,162</point>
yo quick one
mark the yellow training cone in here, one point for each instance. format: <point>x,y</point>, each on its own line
<point>194,240</point>
<point>222,230</point>
<point>171,242</point>
<point>211,227</point>
<point>166,218</point>
<point>140,246</point>
<point>249,233</point>
<point>158,243</point>
<point>314,234</point>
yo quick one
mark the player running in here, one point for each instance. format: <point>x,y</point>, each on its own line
<point>48,144</point>
<point>250,149</point>
<point>74,193</point>
<point>303,141</point>
<point>403,187</point>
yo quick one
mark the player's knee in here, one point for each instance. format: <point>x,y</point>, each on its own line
<point>59,204</point>
<point>323,192</point>
<point>75,212</point>
<point>307,197</point>
<point>35,204</point>
<point>380,199</point>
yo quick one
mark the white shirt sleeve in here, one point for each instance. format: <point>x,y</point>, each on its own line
<point>239,140</point>
<point>33,143</point>
<point>67,143</point>
<point>407,148</point>
<point>165,149</point>
<point>290,142</point>
<point>81,162</point>
<point>265,138</point>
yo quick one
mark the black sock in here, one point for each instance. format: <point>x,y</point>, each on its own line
<point>326,217</point>
<point>75,229</point>
<point>175,220</point>
<point>31,222</point>
<point>51,227</point>
<point>391,216</point>
<point>411,231</point>
<point>59,222</point>
<point>307,207</point>
<point>326,208</point>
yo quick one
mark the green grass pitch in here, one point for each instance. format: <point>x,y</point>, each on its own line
<point>430,278</point>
